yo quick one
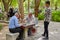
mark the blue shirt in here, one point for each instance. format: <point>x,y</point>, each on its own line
<point>13,22</point>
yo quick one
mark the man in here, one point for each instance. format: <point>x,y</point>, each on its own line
<point>47,19</point>
<point>30,19</point>
<point>15,27</point>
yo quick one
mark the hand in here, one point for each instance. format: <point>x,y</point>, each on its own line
<point>22,27</point>
<point>32,24</point>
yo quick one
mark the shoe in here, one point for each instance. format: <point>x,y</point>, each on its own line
<point>47,37</point>
<point>22,39</point>
<point>18,38</point>
<point>43,35</point>
<point>29,35</point>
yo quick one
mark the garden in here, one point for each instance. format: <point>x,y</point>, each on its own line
<point>29,6</point>
<point>37,8</point>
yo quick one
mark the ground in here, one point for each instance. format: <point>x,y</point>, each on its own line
<point>54,31</point>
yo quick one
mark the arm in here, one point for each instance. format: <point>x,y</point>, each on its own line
<point>49,14</point>
<point>48,11</point>
<point>16,23</point>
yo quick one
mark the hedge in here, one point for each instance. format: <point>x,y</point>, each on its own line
<point>55,16</point>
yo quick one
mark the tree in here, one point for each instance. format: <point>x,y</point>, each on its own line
<point>21,8</point>
<point>28,5</point>
<point>37,2</point>
<point>6,4</point>
<point>56,4</point>
<point>14,3</point>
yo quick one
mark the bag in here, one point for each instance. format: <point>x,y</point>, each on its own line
<point>33,30</point>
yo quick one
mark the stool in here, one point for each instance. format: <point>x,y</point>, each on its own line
<point>11,36</point>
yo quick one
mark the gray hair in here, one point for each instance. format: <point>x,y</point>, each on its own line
<point>16,13</point>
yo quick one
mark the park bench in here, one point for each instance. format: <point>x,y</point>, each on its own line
<point>11,36</point>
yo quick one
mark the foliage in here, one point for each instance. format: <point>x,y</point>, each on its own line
<point>56,16</point>
<point>1,27</point>
<point>41,16</point>
<point>1,15</point>
<point>14,3</point>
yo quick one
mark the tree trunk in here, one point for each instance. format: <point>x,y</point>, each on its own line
<point>56,6</point>
<point>52,3</point>
<point>6,7</point>
<point>28,6</point>
<point>6,4</point>
<point>21,8</point>
<point>37,2</point>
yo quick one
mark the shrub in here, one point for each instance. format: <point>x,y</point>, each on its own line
<point>56,16</point>
<point>41,16</point>
<point>1,27</point>
<point>1,15</point>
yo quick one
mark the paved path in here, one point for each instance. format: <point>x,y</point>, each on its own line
<point>54,32</point>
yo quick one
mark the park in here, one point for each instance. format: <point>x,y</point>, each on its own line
<point>24,8</point>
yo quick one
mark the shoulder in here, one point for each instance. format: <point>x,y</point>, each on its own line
<point>13,17</point>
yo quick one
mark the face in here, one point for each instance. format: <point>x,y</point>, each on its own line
<point>47,5</point>
<point>30,15</point>
<point>18,16</point>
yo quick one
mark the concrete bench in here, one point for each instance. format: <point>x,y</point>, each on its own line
<point>11,36</point>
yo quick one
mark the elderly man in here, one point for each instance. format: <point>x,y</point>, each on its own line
<point>30,19</point>
<point>15,27</point>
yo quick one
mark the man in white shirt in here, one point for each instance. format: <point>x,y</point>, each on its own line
<point>30,20</point>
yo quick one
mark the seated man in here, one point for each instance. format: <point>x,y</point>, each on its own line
<point>30,19</point>
<point>15,27</point>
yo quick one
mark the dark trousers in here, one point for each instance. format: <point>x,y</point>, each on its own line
<point>29,32</point>
<point>17,30</point>
<point>46,28</point>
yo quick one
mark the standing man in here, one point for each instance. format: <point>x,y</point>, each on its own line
<point>15,27</point>
<point>47,19</point>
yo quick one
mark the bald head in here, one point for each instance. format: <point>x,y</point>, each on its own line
<point>30,15</point>
<point>17,15</point>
